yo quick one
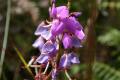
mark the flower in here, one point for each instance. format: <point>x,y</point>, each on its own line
<point>44,31</point>
<point>69,25</point>
<point>75,42</point>
<point>49,48</point>
<point>70,41</point>
<point>80,34</point>
<point>42,59</point>
<point>57,27</point>
<point>39,43</point>
<point>67,60</point>
<point>67,41</point>
<point>59,12</point>
<point>63,27</point>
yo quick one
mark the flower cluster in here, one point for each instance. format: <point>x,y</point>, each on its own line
<point>63,28</point>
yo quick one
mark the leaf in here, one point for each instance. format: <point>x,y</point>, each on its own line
<point>23,61</point>
<point>111,38</point>
<point>105,72</point>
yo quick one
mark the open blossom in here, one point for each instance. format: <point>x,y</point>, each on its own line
<point>63,28</point>
<point>68,59</point>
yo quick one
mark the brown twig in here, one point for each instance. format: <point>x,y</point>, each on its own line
<point>89,55</point>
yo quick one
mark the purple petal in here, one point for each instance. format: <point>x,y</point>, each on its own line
<point>72,24</point>
<point>49,48</point>
<point>76,42</point>
<point>73,58</point>
<point>77,25</point>
<point>40,28</point>
<point>44,31</point>
<point>38,43</point>
<point>42,59</point>
<point>57,27</point>
<point>46,35</point>
<point>67,41</point>
<point>80,34</point>
<point>53,11</point>
<point>62,12</point>
<point>64,61</point>
<point>76,14</point>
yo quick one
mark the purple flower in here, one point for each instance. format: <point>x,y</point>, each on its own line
<point>44,31</point>
<point>74,59</point>
<point>62,12</point>
<point>53,12</point>
<point>71,41</point>
<point>42,59</point>
<point>67,41</point>
<point>75,42</point>
<point>49,49</point>
<point>67,60</point>
<point>57,27</point>
<point>39,43</point>
<point>64,62</point>
<point>47,53</point>
<point>71,24</point>
<point>64,27</point>
<point>80,34</point>
<point>59,12</point>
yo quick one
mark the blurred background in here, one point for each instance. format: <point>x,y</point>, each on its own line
<point>100,54</point>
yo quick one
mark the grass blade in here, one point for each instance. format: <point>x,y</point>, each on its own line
<point>23,60</point>
<point>5,36</point>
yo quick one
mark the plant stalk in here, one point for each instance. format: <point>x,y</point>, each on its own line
<point>5,36</point>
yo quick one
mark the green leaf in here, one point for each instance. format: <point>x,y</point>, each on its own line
<point>105,72</point>
<point>23,61</point>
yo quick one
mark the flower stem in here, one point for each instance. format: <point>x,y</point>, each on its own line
<point>36,70</point>
<point>5,36</point>
<point>46,68</point>
<point>69,4</point>
<point>30,62</point>
<point>68,76</point>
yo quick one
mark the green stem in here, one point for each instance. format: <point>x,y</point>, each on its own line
<point>46,68</point>
<point>5,36</point>
<point>68,76</point>
<point>69,4</point>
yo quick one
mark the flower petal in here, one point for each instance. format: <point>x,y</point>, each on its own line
<point>62,12</point>
<point>53,11</point>
<point>38,43</point>
<point>72,24</point>
<point>40,28</point>
<point>75,42</point>
<point>57,27</point>
<point>80,34</point>
<point>64,61</point>
<point>73,58</point>
<point>46,35</point>
<point>49,48</point>
<point>42,59</point>
<point>67,41</point>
